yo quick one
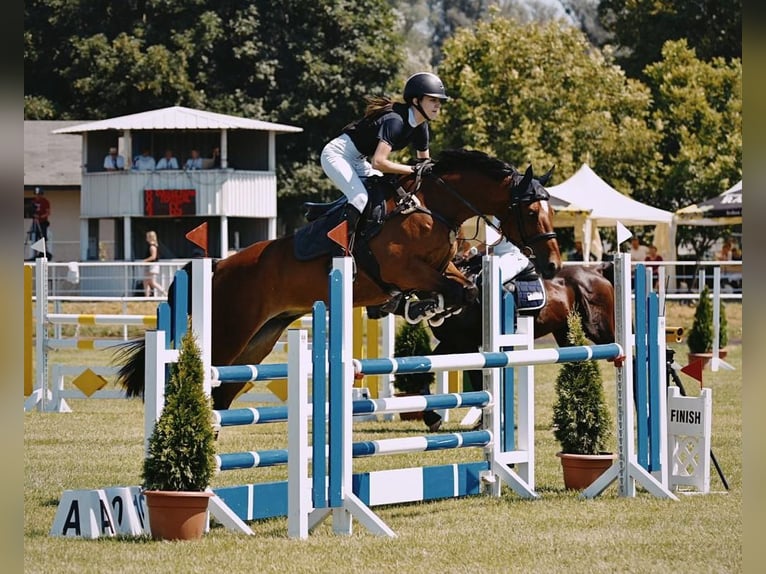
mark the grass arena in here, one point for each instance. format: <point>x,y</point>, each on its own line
<point>100,443</point>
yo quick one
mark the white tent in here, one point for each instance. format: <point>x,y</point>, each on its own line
<point>608,206</point>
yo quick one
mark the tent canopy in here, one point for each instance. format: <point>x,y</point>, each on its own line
<point>608,206</point>
<point>724,209</point>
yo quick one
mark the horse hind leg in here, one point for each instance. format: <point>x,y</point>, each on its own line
<point>259,346</point>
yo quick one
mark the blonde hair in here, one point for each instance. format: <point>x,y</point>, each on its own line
<point>151,237</point>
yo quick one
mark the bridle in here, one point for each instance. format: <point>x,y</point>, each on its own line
<point>531,193</point>
<point>523,192</point>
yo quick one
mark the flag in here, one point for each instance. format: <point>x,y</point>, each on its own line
<point>39,245</point>
<point>198,236</point>
<point>339,235</point>
<point>623,233</point>
<point>694,369</point>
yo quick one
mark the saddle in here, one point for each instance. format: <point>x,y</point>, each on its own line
<point>311,240</point>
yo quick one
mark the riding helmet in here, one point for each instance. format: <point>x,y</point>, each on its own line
<point>424,84</point>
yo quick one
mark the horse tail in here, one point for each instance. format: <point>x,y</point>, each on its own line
<point>131,356</point>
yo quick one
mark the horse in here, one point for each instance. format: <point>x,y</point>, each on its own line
<point>589,289</point>
<point>259,291</point>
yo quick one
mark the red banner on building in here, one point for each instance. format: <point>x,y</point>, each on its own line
<point>173,202</point>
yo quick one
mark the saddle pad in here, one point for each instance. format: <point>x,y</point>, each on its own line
<point>529,295</point>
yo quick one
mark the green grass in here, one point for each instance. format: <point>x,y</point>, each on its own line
<point>99,444</point>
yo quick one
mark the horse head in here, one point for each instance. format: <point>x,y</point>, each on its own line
<point>484,185</point>
<point>529,221</point>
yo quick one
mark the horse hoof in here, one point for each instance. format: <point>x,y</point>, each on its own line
<point>436,321</point>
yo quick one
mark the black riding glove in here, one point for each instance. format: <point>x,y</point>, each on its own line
<point>423,168</point>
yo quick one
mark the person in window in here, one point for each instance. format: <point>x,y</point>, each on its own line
<point>195,161</point>
<point>145,161</point>
<point>216,157</point>
<point>114,161</point>
<point>168,161</point>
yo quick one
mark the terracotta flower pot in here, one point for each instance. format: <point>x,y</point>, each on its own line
<point>177,515</point>
<point>706,357</point>
<point>581,470</point>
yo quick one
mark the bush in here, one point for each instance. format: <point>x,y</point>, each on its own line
<point>700,339</point>
<point>181,453</point>
<point>412,340</point>
<point>581,420</point>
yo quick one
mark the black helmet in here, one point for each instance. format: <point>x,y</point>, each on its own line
<point>424,84</point>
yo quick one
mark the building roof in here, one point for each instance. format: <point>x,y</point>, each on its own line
<point>178,118</point>
<point>51,160</point>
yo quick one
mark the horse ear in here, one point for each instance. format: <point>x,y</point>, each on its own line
<point>546,176</point>
<point>526,180</point>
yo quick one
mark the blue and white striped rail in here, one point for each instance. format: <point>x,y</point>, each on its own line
<point>265,415</point>
<point>444,441</point>
<point>247,373</point>
<point>469,361</point>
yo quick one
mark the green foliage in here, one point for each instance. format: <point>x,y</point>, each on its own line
<point>700,339</point>
<point>697,112</point>
<point>541,94</point>
<point>640,29</point>
<point>181,453</point>
<point>581,420</point>
<point>412,340</point>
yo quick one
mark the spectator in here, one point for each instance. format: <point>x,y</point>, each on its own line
<point>577,254</point>
<point>145,161</point>
<point>637,251</point>
<point>653,255</point>
<point>195,161</point>
<point>730,274</point>
<point>114,161</point>
<point>168,161</point>
<point>152,271</point>
<point>40,222</point>
<point>216,157</point>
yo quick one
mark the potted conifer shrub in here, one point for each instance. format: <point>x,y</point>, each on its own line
<point>700,339</point>
<point>581,420</point>
<point>412,340</point>
<point>181,457</point>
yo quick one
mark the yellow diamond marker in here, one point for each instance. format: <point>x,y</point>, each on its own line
<point>89,382</point>
<point>279,388</point>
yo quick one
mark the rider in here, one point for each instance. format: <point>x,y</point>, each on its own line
<point>364,146</point>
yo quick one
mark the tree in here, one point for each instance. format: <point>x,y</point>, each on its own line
<point>304,63</point>
<point>640,28</point>
<point>697,111</point>
<point>540,94</point>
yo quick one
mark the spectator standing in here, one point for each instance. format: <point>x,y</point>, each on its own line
<point>145,161</point>
<point>653,255</point>
<point>216,157</point>
<point>114,161</point>
<point>195,161</point>
<point>40,221</point>
<point>168,161</point>
<point>637,251</point>
<point>152,271</point>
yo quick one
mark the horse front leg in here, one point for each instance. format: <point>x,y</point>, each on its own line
<point>440,295</point>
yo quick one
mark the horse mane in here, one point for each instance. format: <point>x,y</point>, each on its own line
<point>464,159</point>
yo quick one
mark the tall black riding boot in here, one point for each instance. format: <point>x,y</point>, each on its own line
<point>352,219</point>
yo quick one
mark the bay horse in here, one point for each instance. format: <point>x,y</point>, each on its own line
<point>588,289</point>
<point>259,291</point>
